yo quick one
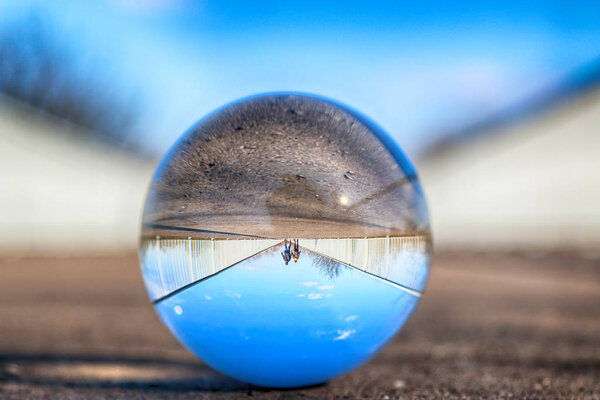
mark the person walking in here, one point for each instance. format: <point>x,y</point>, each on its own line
<point>296,252</point>
<point>286,254</point>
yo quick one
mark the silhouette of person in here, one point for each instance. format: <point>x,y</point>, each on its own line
<point>286,252</point>
<point>296,252</point>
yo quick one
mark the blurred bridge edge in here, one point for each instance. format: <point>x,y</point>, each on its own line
<point>63,193</point>
<point>524,179</point>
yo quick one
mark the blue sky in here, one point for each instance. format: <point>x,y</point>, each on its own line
<point>419,70</point>
<point>276,325</point>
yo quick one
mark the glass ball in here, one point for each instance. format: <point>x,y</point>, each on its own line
<point>285,240</point>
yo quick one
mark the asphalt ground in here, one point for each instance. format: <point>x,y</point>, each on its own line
<point>490,325</point>
<point>282,166</point>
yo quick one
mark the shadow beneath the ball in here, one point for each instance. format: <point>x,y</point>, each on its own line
<point>134,373</point>
<point>267,389</point>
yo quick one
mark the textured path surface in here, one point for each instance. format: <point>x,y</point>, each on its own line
<point>284,166</point>
<point>489,326</point>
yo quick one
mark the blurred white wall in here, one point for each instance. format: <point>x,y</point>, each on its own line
<point>535,184</point>
<point>61,193</point>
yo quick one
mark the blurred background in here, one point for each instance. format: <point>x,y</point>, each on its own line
<point>497,104</point>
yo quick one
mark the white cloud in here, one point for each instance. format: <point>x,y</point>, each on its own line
<point>317,296</point>
<point>250,267</point>
<point>344,334</point>
<point>325,287</point>
<point>232,294</point>
<point>351,318</point>
<point>308,284</point>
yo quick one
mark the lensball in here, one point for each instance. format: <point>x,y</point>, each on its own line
<point>285,240</point>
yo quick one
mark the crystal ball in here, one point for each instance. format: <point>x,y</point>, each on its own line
<point>285,239</point>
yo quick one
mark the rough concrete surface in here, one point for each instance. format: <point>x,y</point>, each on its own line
<point>278,166</point>
<point>489,326</point>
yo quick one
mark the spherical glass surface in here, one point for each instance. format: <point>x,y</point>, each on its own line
<point>285,240</point>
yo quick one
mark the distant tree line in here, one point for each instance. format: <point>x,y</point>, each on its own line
<point>38,68</point>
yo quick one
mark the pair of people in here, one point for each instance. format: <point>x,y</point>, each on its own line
<point>288,252</point>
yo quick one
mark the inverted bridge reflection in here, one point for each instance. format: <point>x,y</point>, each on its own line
<point>172,264</point>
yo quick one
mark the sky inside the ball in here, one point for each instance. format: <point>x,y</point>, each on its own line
<point>290,322</point>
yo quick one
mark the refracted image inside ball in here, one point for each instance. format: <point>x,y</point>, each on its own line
<point>285,240</point>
